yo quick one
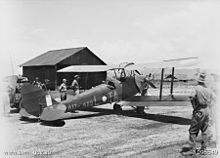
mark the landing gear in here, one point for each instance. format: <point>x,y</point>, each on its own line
<point>140,110</point>
<point>117,107</point>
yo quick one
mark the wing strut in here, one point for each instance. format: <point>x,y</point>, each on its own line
<point>172,79</point>
<point>161,83</point>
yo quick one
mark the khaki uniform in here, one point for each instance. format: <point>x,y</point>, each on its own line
<point>63,91</point>
<point>201,100</point>
<point>75,87</point>
<point>38,84</point>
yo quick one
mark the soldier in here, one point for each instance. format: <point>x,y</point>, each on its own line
<point>75,84</point>
<point>44,85</point>
<point>201,99</point>
<point>37,83</point>
<point>63,90</point>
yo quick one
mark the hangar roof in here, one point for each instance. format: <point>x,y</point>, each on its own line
<point>52,57</point>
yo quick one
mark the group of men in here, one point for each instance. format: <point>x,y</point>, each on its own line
<point>40,85</point>
<point>74,86</point>
<point>63,87</point>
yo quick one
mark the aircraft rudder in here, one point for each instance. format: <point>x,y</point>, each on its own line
<point>33,99</point>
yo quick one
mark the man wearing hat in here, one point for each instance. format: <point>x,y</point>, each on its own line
<point>201,99</point>
<point>75,84</point>
<point>63,90</point>
<point>37,83</point>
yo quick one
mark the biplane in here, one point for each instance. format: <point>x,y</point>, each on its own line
<point>120,90</point>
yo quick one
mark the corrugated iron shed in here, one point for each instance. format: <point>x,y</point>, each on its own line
<point>52,57</point>
<point>45,66</point>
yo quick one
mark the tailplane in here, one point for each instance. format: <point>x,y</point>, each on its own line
<point>39,103</point>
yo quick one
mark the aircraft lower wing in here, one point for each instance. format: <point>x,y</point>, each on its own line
<point>178,100</point>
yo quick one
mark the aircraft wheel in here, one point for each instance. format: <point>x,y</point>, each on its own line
<point>140,110</point>
<point>117,108</point>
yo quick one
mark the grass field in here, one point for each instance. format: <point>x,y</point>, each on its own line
<point>101,132</point>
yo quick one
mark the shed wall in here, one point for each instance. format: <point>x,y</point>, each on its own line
<point>83,57</point>
<point>86,81</point>
<point>43,72</point>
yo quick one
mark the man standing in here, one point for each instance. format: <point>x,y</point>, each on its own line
<point>75,84</point>
<point>37,83</point>
<point>63,90</point>
<point>201,99</point>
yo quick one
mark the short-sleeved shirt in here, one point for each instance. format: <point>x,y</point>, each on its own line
<point>37,83</point>
<point>63,87</point>
<point>75,85</point>
<point>204,95</point>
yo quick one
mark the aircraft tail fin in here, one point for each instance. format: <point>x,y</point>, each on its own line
<point>33,99</point>
<point>36,102</point>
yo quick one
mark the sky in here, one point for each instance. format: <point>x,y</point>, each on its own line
<point>137,31</point>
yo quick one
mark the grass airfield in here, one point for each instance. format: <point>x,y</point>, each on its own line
<point>100,132</point>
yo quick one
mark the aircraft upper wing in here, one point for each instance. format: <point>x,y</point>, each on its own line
<point>87,68</point>
<point>180,62</point>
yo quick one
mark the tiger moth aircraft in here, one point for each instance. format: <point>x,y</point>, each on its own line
<point>119,90</point>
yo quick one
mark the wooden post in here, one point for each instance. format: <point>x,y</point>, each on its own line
<point>161,83</point>
<point>86,80</point>
<point>172,79</point>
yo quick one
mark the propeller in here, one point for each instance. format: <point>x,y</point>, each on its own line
<point>150,83</point>
<point>138,72</point>
<point>140,80</point>
<point>142,83</point>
